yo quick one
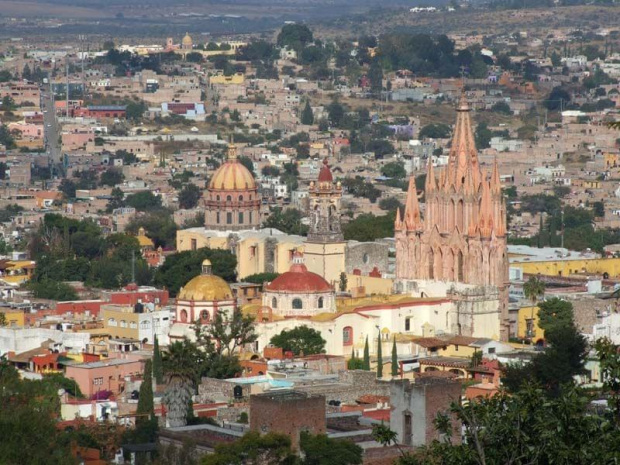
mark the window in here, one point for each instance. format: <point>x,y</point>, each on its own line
<point>408,324</point>
<point>217,217</point>
<point>217,198</point>
<point>98,381</point>
<point>228,198</point>
<point>347,335</point>
<point>240,217</point>
<point>491,350</point>
<point>193,245</point>
<point>111,322</point>
<point>123,324</point>
<point>297,304</point>
<point>250,219</point>
<point>274,303</point>
<point>229,218</point>
<point>133,325</point>
<point>145,324</point>
<point>240,198</point>
<point>183,316</point>
<point>320,303</point>
<point>204,315</point>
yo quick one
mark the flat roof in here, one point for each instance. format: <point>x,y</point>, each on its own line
<point>102,363</point>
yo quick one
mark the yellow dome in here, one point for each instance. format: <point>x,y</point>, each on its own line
<point>206,288</point>
<point>206,262</point>
<point>187,40</point>
<point>232,175</point>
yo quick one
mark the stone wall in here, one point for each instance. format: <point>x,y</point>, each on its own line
<point>351,386</point>
<point>211,389</point>
<point>364,256</point>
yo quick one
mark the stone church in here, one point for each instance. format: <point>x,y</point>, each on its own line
<point>461,240</point>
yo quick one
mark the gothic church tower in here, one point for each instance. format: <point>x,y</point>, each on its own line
<point>324,249</point>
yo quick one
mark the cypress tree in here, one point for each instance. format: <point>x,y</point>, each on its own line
<point>366,356</point>
<point>158,371</point>
<point>394,359</point>
<point>145,402</point>
<point>379,357</point>
<point>307,117</point>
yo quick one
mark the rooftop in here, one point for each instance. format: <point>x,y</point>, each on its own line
<point>525,253</point>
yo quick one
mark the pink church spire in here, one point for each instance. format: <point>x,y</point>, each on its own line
<point>413,220</point>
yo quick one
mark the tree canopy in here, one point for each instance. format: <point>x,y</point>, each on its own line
<point>300,340</point>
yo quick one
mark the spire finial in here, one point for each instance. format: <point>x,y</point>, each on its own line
<point>232,149</point>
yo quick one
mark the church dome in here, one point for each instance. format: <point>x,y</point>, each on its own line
<point>206,287</point>
<point>299,280</point>
<point>232,175</point>
<point>325,174</point>
<point>187,40</point>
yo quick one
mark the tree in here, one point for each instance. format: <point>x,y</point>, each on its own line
<point>181,365</point>
<point>355,363</point>
<point>253,449</point>
<point>158,368</point>
<point>300,340</point>
<point>342,284</point>
<point>160,225</point>
<point>554,313</point>
<point>144,201</point>
<point>307,117</point>
<point>609,359</point>
<point>321,450</point>
<point>501,107</point>
<point>375,75</point>
<point>434,131</point>
<point>3,320</point>
<point>111,177</point>
<point>368,227</point>
<point>295,36</point>
<point>117,200</point>
<point>394,170</point>
<point>483,136</point>
<point>557,99</point>
<point>390,204</point>
<point>366,356</point>
<point>135,110</point>
<point>288,221</point>
<point>180,267</point>
<point>146,409</point>
<point>561,191</point>
<point>68,188</point>
<point>379,357</point>
<point>395,368</point>
<point>189,196</point>
<point>261,278</point>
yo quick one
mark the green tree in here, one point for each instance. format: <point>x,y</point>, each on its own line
<point>553,313</point>
<point>307,117</point>
<point>144,201</point>
<point>261,278</point>
<point>366,356</point>
<point>189,196</point>
<point>160,226</point>
<point>394,170</point>
<point>557,99</point>
<point>322,450</point>
<point>609,359</point>
<point>501,107</point>
<point>395,368</point>
<point>181,364</point>
<point>135,110</point>
<point>158,368</point>
<point>117,200</point>
<point>180,267</point>
<point>295,36</point>
<point>253,449</point>
<point>390,204</point>
<point>375,75</point>
<point>483,136</point>
<point>111,177</point>
<point>368,227</point>
<point>288,221</point>
<point>434,131</point>
<point>68,188</point>
<point>343,281</point>
<point>146,407</point>
<point>300,340</point>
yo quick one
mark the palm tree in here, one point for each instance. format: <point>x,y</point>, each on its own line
<point>180,363</point>
<point>533,289</point>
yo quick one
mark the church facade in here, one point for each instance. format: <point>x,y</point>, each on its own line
<point>461,239</point>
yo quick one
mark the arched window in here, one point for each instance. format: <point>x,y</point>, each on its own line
<point>240,217</point>
<point>320,303</point>
<point>145,324</point>
<point>217,198</point>
<point>460,216</point>
<point>347,336</point>
<point>111,322</point>
<point>183,316</point>
<point>240,198</point>
<point>217,217</point>
<point>228,198</point>
<point>133,325</point>
<point>297,304</point>
<point>204,315</point>
<point>123,324</point>
<point>459,266</point>
<point>274,303</point>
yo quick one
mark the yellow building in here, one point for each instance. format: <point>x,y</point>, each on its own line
<point>14,318</point>
<point>257,251</point>
<point>527,324</point>
<point>237,78</point>
<point>124,322</point>
<point>609,267</point>
<point>612,160</point>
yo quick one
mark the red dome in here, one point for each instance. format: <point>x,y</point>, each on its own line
<point>299,280</point>
<point>325,175</point>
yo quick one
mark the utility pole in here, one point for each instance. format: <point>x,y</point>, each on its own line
<point>562,224</point>
<point>67,93</point>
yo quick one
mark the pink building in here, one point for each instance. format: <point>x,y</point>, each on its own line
<point>104,375</point>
